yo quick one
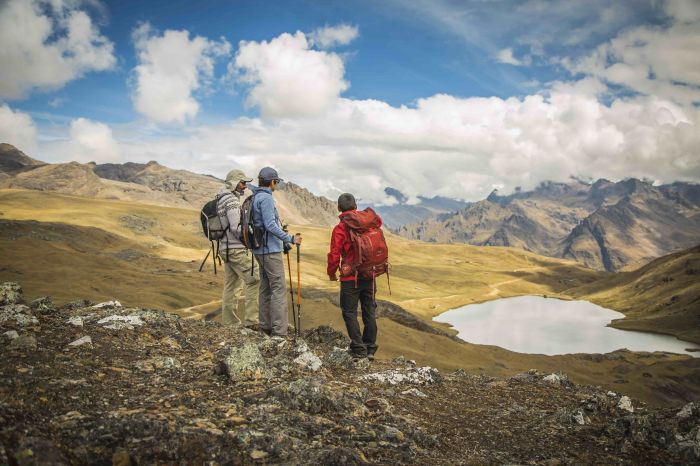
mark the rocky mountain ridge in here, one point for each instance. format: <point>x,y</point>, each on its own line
<point>98,383</point>
<point>13,160</point>
<point>604,225</point>
<point>149,183</point>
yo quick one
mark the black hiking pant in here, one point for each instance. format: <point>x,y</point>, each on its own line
<point>365,343</point>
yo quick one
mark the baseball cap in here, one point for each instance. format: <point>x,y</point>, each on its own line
<point>269,174</point>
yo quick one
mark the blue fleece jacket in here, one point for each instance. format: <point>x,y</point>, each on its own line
<point>265,216</point>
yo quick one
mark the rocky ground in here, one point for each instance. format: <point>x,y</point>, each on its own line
<point>103,384</point>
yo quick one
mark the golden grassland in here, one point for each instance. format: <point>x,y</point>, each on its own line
<point>148,256</point>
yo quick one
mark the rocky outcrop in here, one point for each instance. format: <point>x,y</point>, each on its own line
<point>175,391</point>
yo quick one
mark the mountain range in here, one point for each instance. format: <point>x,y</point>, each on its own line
<point>149,183</point>
<point>604,225</point>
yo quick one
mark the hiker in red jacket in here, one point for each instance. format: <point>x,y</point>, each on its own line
<point>356,282</point>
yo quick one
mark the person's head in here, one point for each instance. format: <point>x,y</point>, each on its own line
<point>268,178</point>
<point>236,180</point>
<point>346,201</point>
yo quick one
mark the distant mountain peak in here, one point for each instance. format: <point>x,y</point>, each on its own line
<point>400,197</point>
<point>13,160</point>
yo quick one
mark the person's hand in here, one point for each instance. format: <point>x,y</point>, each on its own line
<point>333,278</point>
<point>297,238</point>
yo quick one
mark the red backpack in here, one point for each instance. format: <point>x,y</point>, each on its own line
<point>371,252</point>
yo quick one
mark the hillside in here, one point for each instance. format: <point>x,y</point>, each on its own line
<point>663,296</point>
<point>149,183</point>
<point>604,225</point>
<point>149,387</point>
<point>102,250</point>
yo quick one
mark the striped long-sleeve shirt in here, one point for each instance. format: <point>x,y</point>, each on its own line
<point>229,209</point>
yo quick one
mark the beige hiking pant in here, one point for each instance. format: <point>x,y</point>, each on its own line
<point>239,281</point>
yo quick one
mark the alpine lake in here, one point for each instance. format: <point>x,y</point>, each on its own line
<point>539,325</point>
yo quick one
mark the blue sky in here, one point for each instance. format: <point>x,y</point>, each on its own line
<point>400,86</point>
<point>401,55</point>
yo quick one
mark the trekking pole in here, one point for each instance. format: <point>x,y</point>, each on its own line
<point>298,327</point>
<point>201,266</point>
<point>291,290</point>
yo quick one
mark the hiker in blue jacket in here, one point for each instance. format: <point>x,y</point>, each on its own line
<point>272,297</point>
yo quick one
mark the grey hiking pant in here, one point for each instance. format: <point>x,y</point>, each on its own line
<point>273,294</point>
<point>237,279</point>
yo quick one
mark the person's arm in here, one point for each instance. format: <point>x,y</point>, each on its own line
<point>267,209</point>
<point>337,240</point>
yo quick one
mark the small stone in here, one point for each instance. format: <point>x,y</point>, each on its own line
<point>552,379</point>
<point>393,434</point>
<point>19,313</point>
<point>361,364</point>
<point>23,342</point>
<point>117,322</point>
<point>419,376</point>
<point>10,293</point>
<point>160,362</point>
<point>625,404</point>
<point>43,305</point>
<point>612,394</point>
<point>170,342</point>
<point>258,454</point>
<point>11,334</point>
<point>76,321</point>
<point>107,304</point>
<point>686,411</point>
<point>121,458</point>
<point>309,360</point>
<point>339,357</point>
<point>86,340</point>
<point>245,363</point>
<point>301,347</point>
<point>378,404</point>
<point>414,392</point>
<point>579,418</point>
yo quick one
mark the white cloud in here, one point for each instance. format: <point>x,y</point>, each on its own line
<point>442,144</point>
<point>332,36</point>
<point>683,10</point>
<point>17,128</point>
<point>91,141</point>
<point>287,78</point>
<point>172,66</point>
<point>660,61</point>
<point>457,147</point>
<point>506,56</point>
<point>46,44</point>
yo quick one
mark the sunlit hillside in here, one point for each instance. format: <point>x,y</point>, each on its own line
<point>68,247</point>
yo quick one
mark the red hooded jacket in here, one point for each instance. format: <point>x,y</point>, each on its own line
<point>341,248</point>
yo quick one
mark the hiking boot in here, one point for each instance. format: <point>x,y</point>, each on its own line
<point>356,355</point>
